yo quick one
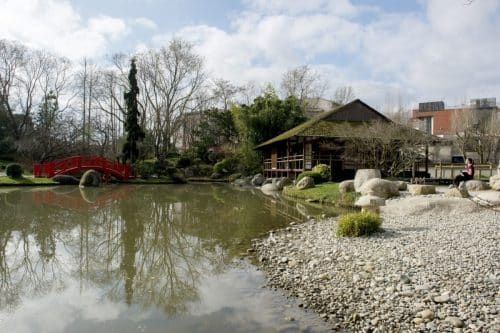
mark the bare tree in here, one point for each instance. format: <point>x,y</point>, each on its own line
<point>170,82</point>
<point>476,131</point>
<point>224,94</point>
<point>302,82</point>
<point>87,78</point>
<point>344,95</point>
<point>388,146</point>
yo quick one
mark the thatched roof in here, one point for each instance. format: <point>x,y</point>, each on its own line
<point>329,123</point>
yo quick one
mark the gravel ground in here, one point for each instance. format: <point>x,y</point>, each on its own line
<point>434,268</point>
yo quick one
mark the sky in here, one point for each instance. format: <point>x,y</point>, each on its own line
<point>390,52</point>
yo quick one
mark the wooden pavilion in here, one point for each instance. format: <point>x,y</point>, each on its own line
<point>320,140</point>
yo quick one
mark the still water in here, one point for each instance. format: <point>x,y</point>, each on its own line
<point>140,259</point>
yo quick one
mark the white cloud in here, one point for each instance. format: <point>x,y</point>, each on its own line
<point>271,7</point>
<point>145,23</point>
<point>447,50</point>
<point>56,26</point>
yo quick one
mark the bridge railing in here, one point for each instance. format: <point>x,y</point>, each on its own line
<point>75,163</point>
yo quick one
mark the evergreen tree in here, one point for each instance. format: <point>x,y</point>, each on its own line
<point>135,133</point>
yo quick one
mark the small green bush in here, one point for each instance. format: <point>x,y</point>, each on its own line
<point>314,175</point>
<point>324,170</point>
<point>358,224</point>
<point>14,170</point>
<point>183,162</point>
<point>227,165</point>
<point>160,167</point>
<point>145,168</point>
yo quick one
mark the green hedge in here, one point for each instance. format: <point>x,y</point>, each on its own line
<point>324,170</point>
<point>145,168</point>
<point>358,224</point>
<point>183,162</point>
<point>14,170</point>
<point>314,175</point>
<point>229,164</point>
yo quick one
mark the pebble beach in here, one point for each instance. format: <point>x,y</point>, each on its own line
<point>435,267</point>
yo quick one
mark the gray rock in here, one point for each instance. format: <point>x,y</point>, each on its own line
<point>346,186</point>
<point>241,182</point>
<point>305,183</point>
<point>445,298</point>
<point>66,180</point>
<point>380,187</point>
<point>495,182</point>
<point>269,188</point>
<point>258,180</point>
<point>455,322</point>
<point>421,189</point>
<point>457,193</point>
<point>426,314</point>
<point>418,321</point>
<point>363,175</point>
<point>90,178</point>
<point>370,203</point>
<point>267,181</point>
<point>402,185</point>
<point>282,182</point>
<point>476,185</point>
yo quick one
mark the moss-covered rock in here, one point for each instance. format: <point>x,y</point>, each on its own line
<point>90,178</point>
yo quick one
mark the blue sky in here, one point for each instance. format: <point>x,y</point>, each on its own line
<point>390,51</point>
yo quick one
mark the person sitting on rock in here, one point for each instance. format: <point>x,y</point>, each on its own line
<point>467,174</point>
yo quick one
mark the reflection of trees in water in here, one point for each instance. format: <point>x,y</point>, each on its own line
<point>28,237</point>
<point>136,246</point>
<point>149,247</point>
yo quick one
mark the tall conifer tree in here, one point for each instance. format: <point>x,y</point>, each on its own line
<point>135,133</point>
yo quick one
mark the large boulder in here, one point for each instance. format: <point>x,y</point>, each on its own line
<point>476,185</point>
<point>495,182</point>
<point>269,187</point>
<point>363,175</point>
<point>457,192</point>
<point>421,189</point>
<point>304,183</point>
<point>370,203</point>
<point>244,181</point>
<point>90,178</point>
<point>380,188</point>
<point>66,180</point>
<point>402,185</point>
<point>258,180</point>
<point>346,186</point>
<point>282,182</point>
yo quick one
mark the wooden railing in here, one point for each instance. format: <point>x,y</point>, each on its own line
<point>298,162</point>
<point>443,171</point>
<point>76,163</point>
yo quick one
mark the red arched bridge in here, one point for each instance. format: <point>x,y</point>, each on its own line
<point>71,165</point>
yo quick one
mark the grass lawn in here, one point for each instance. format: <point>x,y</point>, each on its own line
<point>327,193</point>
<point>7,181</point>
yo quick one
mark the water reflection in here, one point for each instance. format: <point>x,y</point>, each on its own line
<point>120,251</point>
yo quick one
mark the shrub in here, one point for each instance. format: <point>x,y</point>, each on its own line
<point>160,167</point>
<point>178,177</point>
<point>205,170</point>
<point>314,175</point>
<point>183,162</point>
<point>358,224</point>
<point>324,170</point>
<point>145,168</point>
<point>227,165</point>
<point>14,170</point>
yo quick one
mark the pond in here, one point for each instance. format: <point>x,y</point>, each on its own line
<point>120,258</point>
